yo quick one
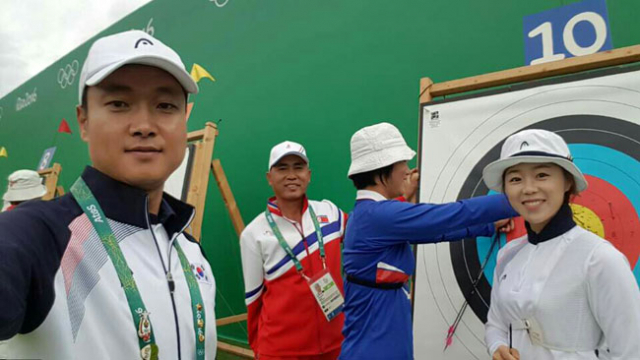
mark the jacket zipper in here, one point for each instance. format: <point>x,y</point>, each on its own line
<point>170,282</point>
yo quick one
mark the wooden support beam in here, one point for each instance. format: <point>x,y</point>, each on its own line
<point>231,319</point>
<point>235,350</point>
<point>195,135</point>
<point>614,57</point>
<point>51,176</point>
<point>200,174</point>
<point>227,196</point>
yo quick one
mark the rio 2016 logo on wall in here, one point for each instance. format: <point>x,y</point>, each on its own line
<point>67,74</point>
<point>220,3</point>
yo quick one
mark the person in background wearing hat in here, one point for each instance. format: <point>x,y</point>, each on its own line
<point>291,265</point>
<point>24,185</point>
<point>559,290</point>
<point>377,254</point>
<point>105,272</point>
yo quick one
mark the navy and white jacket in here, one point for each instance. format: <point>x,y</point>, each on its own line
<point>60,296</point>
<point>377,250</point>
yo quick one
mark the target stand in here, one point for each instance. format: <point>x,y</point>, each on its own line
<point>593,102</point>
<point>51,176</point>
<point>190,183</point>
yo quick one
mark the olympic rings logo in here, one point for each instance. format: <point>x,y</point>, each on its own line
<point>220,3</point>
<point>67,74</point>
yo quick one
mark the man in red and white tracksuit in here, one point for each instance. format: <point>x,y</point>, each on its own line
<point>284,317</point>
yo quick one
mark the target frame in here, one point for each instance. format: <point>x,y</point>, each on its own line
<point>469,326</point>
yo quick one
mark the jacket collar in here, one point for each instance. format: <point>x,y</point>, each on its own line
<point>127,204</point>
<point>561,222</point>
<point>272,206</point>
<point>369,195</point>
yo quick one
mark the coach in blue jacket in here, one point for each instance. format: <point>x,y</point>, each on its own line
<point>377,256</point>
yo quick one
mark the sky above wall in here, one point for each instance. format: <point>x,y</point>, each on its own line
<point>36,33</point>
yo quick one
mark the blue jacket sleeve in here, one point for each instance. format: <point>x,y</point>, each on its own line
<point>29,259</point>
<point>472,231</point>
<point>395,222</point>
<point>15,274</point>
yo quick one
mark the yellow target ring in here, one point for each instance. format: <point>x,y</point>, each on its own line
<point>587,219</point>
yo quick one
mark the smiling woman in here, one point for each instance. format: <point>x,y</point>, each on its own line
<point>536,191</point>
<point>559,289</point>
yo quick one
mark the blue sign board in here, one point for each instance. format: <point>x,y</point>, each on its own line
<point>47,156</point>
<point>573,30</point>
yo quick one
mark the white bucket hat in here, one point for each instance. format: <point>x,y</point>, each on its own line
<point>287,148</point>
<point>110,53</point>
<point>24,185</point>
<point>377,146</point>
<point>532,146</point>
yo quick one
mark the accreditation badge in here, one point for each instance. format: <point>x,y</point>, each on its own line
<point>535,332</point>
<point>327,294</point>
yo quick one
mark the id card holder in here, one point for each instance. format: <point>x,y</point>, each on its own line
<point>327,294</point>
<point>535,332</point>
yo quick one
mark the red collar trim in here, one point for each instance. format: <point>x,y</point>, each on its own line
<point>272,206</point>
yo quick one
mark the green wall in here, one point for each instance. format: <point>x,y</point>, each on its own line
<point>309,71</point>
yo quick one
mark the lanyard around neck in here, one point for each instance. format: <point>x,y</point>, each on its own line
<point>142,322</point>
<point>287,248</point>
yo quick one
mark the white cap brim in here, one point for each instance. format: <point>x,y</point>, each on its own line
<point>180,74</point>
<point>296,153</point>
<point>493,173</point>
<point>25,194</point>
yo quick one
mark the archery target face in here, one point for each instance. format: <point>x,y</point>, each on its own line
<point>600,120</point>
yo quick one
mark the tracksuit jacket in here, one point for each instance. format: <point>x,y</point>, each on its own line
<point>377,252</point>
<point>60,296</point>
<point>284,318</point>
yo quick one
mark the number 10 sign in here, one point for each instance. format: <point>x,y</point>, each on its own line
<point>572,30</point>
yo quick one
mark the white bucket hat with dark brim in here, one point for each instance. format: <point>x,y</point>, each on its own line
<point>24,185</point>
<point>377,146</point>
<point>532,146</point>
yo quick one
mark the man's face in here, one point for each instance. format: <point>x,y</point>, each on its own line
<point>135,125</point>
<point>289,178</point>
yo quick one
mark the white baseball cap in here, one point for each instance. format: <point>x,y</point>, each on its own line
<point>24,185</point>
<point>287,148</point>
<point>110,53</point>
<point>374,147</point>
<point>532,146</point>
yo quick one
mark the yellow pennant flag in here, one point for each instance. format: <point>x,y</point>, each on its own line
<point>3,152</point>
<point>198,72</point>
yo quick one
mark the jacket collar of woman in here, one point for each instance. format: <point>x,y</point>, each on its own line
<point>561,222</point>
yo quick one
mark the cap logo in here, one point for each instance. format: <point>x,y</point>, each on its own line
<point>143,41</point>
<point>524,143</point>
